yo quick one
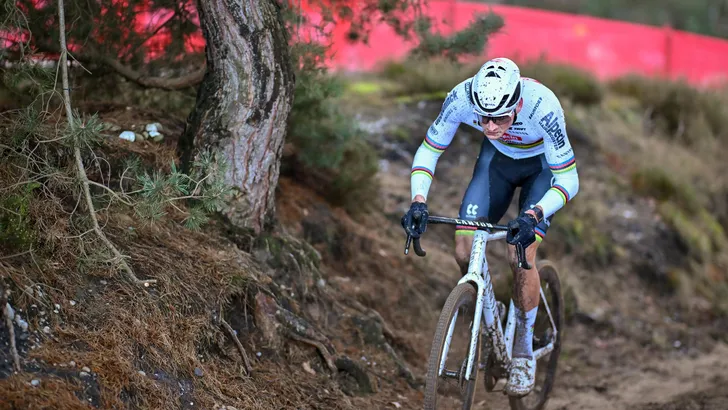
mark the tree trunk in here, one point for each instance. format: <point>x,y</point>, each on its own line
<point>243,103</point>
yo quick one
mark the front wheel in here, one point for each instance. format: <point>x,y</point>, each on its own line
<point>460,308</point>
<point>542,335</point>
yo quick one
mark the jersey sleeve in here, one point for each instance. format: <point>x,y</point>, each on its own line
<point>438,138</point>
<point>560,157</point>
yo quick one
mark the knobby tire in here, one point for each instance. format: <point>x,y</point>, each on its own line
<point>548,273</point>
<point>462,295</point>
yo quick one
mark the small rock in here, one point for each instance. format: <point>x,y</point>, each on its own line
<point>46,330</point>
<point>72,363</point>
<point>258,354</point>
<point>72,302</point>
<point>141,372</point>
<point>86,369</point>
<point>103,282</point>
<point>128,135</point>
<point>138,136</point>
<point>198,372</point>
<point>57,306</point>
<point>35,382</point>
<point>156,137</point>
<point>84,374</point>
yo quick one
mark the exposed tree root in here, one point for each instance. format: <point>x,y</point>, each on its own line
<point>234,337</point>
<point>358,373</point>
<point>275,321</point>
<point>328,357</point>
<point>386,333</point>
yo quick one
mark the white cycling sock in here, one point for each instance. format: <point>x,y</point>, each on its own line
<point>523,343</point>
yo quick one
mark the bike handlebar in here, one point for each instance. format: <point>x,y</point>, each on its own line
<point>479,225</point>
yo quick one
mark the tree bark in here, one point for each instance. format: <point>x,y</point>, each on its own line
<point>243,103</point>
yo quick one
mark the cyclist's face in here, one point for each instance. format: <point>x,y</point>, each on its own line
<point>495,127</point>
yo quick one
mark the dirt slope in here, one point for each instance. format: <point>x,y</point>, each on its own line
<point>628,344</point>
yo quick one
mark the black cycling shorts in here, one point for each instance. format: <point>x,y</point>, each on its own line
<point>495,178</point>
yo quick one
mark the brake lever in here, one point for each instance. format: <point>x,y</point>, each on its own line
<point>418,249</point>
<point>521,253</point>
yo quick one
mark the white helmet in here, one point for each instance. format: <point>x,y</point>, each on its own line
<point>496,88</point>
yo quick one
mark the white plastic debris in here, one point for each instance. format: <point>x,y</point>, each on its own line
<point>22,323</point>
<point>10,311</point>
<point>128,135</point>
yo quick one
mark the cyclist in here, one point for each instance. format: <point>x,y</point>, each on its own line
<point>527,147</point>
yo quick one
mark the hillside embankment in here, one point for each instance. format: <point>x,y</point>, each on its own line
<point>329,311</point>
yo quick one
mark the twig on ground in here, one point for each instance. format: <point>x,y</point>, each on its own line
<point>79,162</point>
<point>231,333</point>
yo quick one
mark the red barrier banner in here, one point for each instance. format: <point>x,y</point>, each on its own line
<point>606,48</point>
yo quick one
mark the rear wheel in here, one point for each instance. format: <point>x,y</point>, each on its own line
<point>460,307</point>
<point>542,335</point>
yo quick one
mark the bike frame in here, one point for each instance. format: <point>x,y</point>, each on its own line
<point>486,309</point>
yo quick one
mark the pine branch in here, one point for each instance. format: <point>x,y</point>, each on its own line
<point>170,84</point>
<point>79,162</point>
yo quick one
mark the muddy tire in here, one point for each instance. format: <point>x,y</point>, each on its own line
<point>463,295</point>
<point>537,399</point>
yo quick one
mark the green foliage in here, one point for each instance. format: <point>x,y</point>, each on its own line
<point>434,77</point>
<point>658,184</point>
<point>203,187</point>
<point>316,126</point>
<point>329,146</point>
<point>86,131</point>
<point>16,230</point>
<point>577,85</point>
<point>26,79</point>
<point>582,237</point>
<point>683,112</point>
<point>682,209</point>
<point>471,40</point>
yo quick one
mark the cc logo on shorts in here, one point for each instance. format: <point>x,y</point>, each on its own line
<point>472,210</point>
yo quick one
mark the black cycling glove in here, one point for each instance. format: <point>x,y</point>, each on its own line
<point>521,230</point>
<point>413,225</point>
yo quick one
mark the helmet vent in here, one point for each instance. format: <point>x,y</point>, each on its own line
<point>516,96</point>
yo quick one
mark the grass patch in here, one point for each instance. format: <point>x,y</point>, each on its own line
<point>684,113</point>
<point>433,77</point>
<point>580,86</point>
<point>658,184</point>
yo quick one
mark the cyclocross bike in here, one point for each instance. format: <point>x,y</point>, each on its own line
<point>474,291</point>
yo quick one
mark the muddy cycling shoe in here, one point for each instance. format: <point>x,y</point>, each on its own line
<point>522,377</point>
